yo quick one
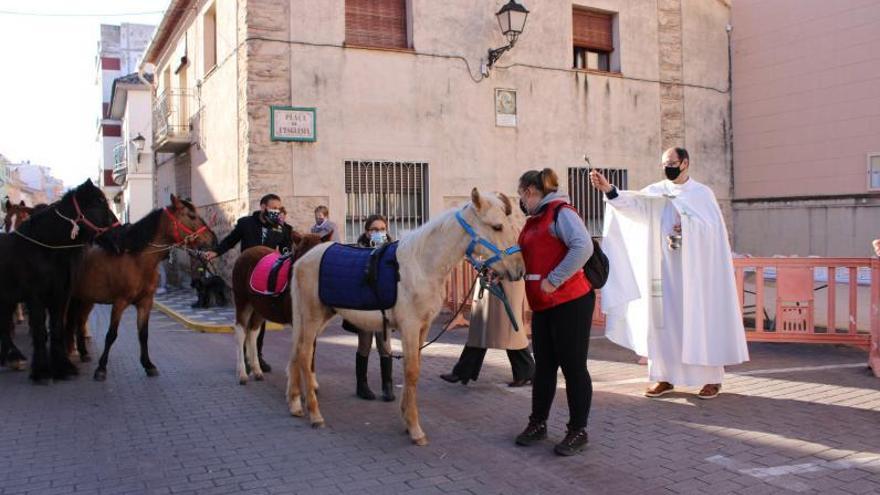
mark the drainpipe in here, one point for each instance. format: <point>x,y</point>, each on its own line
<point>729,28</point>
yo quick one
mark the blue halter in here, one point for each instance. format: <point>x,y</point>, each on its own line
<point>497,253</point>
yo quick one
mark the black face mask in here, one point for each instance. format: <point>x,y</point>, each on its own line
<point>273,217</point>
<point>672,173</point>
<point>522,207</point>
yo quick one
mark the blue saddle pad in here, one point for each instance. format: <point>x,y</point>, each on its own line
<point>346,272</point>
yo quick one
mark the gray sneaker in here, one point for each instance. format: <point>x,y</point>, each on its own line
<point>534,432</point>
<point>574,442</point>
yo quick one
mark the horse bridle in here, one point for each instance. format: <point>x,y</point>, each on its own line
<point>178,227</point>
<point>81,218</point>
<point>498,254</point>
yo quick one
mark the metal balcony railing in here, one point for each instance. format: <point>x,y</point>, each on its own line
<point>120,163</point>
<point>171,119</point>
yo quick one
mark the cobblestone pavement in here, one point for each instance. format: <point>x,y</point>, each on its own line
<point>796,419</point>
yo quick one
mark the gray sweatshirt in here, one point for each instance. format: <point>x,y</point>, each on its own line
<point>570,229</point>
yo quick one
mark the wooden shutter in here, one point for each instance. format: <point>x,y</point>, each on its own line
<point>379,23</point>
<point>592,30</point>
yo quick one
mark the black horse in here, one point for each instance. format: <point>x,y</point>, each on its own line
<point>37,266</point>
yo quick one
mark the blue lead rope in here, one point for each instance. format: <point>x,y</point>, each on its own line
<point>482,267</point>
<point>498,291</point>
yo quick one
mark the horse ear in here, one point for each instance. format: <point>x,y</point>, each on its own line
<point>475,199</point>
<point>21,203</point>
<point>326,237</point>
<point>508,206</point>
<point>175,202</point>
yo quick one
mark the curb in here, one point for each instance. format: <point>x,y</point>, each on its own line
<point>206,327</point>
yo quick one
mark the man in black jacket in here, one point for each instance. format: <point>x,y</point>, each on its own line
<point>263,227</point>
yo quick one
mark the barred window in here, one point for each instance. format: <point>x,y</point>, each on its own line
<point>588,201</point>
<point>397,190</point>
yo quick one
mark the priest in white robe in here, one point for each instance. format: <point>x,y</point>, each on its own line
<point>671,293</point>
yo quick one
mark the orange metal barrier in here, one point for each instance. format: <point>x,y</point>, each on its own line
<point>799,299</point>
<point>803,310</point>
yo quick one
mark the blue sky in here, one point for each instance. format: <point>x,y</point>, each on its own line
<point>48,98</point>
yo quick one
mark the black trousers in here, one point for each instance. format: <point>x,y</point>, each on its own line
<point>561,339</point>
<point>471,361</point>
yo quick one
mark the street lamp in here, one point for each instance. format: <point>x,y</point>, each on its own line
<point>511,20</point>
<point>139,143</point>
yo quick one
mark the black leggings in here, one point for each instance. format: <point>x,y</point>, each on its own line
<point>561,338</point>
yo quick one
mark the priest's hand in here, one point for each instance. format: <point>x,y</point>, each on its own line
<point>677,229</point>
<point>547,287</point>
<point>599,181</point>
<point>877,247</point>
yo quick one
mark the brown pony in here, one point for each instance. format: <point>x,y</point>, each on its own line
<point>130,276</point>
<point>252,309</point>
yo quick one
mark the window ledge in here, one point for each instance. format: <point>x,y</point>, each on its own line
<point>379,48</point>
<point>599,72</point>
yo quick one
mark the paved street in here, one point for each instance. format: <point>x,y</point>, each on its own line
<point>797,419</point>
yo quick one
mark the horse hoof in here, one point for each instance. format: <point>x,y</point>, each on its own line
<point>296,410</point>
<point>100,375</point>
<point>259,377</point>
<point>318,424</point>
<point>421,442</point>
<point>152,371</point>
<point>242,381</point>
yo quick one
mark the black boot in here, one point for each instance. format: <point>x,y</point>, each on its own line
<point>363,390</point>
<point>386,365</point>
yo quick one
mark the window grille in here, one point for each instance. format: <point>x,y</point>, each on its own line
<point>589,201</point>
<point>397,190</point>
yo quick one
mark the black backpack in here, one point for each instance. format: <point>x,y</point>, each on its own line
<point>597,267</point>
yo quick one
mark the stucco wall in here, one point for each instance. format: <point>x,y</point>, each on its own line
<point>214,156</point>
<point>836,228</point>
<point>806,112</point>
<point>805,98</point>
<point>412,106</point>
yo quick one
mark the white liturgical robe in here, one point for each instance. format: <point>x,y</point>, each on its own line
<point>678,307</point>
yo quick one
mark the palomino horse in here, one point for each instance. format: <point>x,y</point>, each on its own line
<point>38,263</point>
<point>425,256</point>
<point>253,309</point>
<point>130,278</point>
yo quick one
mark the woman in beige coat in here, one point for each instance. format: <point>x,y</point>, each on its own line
<point>490,328</point>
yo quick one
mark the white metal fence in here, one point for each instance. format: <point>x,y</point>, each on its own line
<point>588,201</point>
<point>397,190</point>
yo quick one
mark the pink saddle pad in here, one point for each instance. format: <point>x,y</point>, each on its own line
<point>260,277</point>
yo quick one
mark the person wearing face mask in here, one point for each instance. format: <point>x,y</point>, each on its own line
<point>555,246</point>
<point>375,235</point>
<point>264,227</point>
<point>692,327</point>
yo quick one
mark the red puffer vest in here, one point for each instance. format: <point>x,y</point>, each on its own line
<point>542,252</point>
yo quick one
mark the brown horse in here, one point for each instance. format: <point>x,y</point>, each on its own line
<point>252,309</point>
<point>130,277</point>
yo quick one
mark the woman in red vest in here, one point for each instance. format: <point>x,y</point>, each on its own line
<point>555,246</point>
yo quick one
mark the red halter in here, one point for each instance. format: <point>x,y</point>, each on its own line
<point>80,217</point>
<point>179,227</point>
